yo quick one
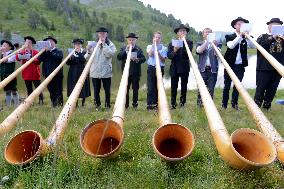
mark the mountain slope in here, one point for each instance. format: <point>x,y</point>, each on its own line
<point>79,18</point>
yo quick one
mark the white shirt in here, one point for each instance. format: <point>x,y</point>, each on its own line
<point>237,41</point>
<point>10,59</point>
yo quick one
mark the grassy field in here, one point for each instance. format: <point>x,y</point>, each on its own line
<point>138,166</point>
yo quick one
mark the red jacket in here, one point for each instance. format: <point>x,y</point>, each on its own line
<point>32,72</point>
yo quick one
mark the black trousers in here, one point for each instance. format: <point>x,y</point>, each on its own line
<point>174,85</point>
<point>152,91</point>
<point>239,70</point>
<point>134,81</point>
<point>210,80</point>
<point>55,88</point>
<point>97,87</point>
<point>29,86</point>
<point>266,87</point>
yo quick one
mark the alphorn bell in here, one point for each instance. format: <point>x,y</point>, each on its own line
<point>261,121</point>
<point>15,52</point>
<point>246,148</point>
<point>171,141</point>
<point>8,79</point>
<point>103,138</point>
<point>10,122</point>
<point>28,145</point>
<point>279,67</point>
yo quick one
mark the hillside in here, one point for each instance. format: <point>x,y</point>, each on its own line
<point>67,19</point>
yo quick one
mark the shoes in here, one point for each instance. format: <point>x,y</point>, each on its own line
<point>235,106</point>
<point>224,106</point>
<point>152,107</point>
<point>173,107</point>
<point>182,104</point>
<point>40,101</point>
<point>266,106</point>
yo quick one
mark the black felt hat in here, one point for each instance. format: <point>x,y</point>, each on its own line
<point>102,29</point>
<point>30,38</point>
<point>132,35</point>
<point>182,26</point>
<point>52,38</point>
<point>274,20</point>
<point>9,43</point>
<point>77,40</point>
<point>238,19</point>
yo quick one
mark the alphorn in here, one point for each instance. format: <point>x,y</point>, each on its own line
<point>103,138</point>
<point>261,121</point>
<point>8,79</point>
<point>10,122</point>
<point>279,67</point>
<point>171,141</point>
<point>246,148</point>
<point>14,52</point>
<point>28,145</point>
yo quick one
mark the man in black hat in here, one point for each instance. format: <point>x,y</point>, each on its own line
<point>236,56</point>
<point>179,66</point>
<point>101,67</point>
<point>50,59</point>
<point>76,65</point>
<point>137,58</point>
<point>267,78</point>
<point>6,68</point>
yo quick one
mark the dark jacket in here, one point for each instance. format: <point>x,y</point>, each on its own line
<point>135,67</point>
<point>77,65</point>
<point>6,68</point>
<point>275,48</point>
<point>212,58</point>
<point>50,60</point>
<point>231,54</point>
<point>180,61</point>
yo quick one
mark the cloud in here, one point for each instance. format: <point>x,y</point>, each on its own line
<point>218,14</point>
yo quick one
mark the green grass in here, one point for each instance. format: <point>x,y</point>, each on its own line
<point>138,166</point>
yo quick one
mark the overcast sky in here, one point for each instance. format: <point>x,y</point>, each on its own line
<point>218,14</point>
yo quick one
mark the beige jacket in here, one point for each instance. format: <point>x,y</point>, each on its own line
<point>101,66</point>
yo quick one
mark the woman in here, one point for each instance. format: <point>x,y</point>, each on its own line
<point>6,68</point>
<point>31,74</point>
<point>77,64</point>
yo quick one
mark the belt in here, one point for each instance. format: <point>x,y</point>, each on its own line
<point>208,67</point>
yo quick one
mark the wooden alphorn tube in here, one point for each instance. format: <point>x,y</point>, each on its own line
<point>279,67</point>
<point>28,145</point>
<point>171,141</point>
<point>13,53</point>
<point>245,148</point>
<point>8,79</point>
<point>11,121</point>
<point>261,121</point>
<point>103,138</point>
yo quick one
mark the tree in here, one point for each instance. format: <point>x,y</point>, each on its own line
<point>44,22</point>
<point>150,36</point>
<point>8,13</point>
<point>109,26</point>
<point>137,15</point>
<point>104,17</point>
<point>51,4</point>
<point>33,19</point>
<point>88,32</point>
<point>52,26</point>
<point>7,34</point>
<point>119,33</point>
